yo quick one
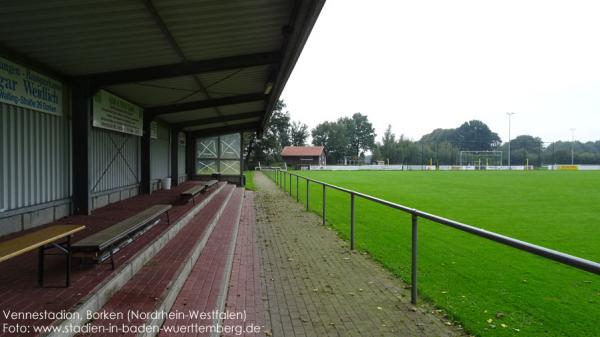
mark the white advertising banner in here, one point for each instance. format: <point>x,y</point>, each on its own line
<point>26,88</point>
<point>114,113</point>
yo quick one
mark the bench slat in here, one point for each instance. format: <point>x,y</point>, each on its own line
<point>194,190</point>
<point>31,241</point>
<point>200,187</point>
<point>106,237</point>
<point>211,182</point>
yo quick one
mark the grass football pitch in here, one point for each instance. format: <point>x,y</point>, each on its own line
<point>488,288</point>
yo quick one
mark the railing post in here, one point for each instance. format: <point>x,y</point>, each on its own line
<point>351,221</point>
<point>284,181</point>
<point>307,181</point>
<point>297,195</point>
<point>324,203</point>
<point>413,279</point>
<point>290,184</point>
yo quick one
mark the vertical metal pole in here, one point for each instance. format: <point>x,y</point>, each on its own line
<point>290,184</point>
<point>572,146</point>
<point>351,221</point>
<point>413,288</point>
<point>68,267</point>
<point>297,196</point>
<point>307,181</point>
<point>41,266</point>
<point>284,181</point>
<point>81,147</point>
<point>324,203</point>
<point>509,115</point>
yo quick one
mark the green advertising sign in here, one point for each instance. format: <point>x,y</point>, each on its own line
<point>114,113</point>
<point>26,88</point>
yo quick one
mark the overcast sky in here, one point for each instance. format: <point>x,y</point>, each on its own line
<point>421,65</point>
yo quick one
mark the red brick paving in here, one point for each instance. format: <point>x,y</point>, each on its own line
<point>18,283</point>
<point>206,281</point>
<point>313,285</point>
<point>149,285</point>
<point>245,291</point>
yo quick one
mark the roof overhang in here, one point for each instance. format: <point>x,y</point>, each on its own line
<point>203,67</point>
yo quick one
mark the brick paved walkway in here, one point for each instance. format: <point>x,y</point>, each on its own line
<point>314,286</point>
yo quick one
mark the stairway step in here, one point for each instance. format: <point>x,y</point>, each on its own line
<point>205,290</point>
<point>101,294</point>
<point>160,279</point>
<point>245,287</point>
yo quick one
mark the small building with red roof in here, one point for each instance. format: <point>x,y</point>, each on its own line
<point>299,157</point>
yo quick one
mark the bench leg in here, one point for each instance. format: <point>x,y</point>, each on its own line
<point>112,257</point>
<point>68,262</point>
<point>41,266</point>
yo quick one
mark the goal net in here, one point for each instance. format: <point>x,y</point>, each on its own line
<point>482,160</point>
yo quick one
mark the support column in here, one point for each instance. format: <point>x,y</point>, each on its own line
<point>190,147</point>
<point>145,157</point>
<point>174,156</point>
<point>242,177</point>
<point>80,126</point>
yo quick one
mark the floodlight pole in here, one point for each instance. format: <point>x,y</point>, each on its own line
<point>572,146</point>
<point>509,115</point>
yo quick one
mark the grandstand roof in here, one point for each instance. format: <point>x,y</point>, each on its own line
<point>201,66</point>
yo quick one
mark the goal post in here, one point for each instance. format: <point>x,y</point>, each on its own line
<point>480,159</point>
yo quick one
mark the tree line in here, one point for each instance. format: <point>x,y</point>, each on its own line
<point>347,138</point>
<point>279,131</point>
<point>352,140</point>
<point>443,147</point>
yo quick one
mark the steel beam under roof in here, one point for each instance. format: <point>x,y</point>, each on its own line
<point>180,69</point>
<point>207,103</point>
<point>224,129</point>
<point>217,119</point>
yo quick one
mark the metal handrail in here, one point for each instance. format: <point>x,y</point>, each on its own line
<point>281,178</point>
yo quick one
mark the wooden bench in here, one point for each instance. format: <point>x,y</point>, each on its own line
<point>103,244</point>
<point>192,192</point>
<point>43,239</point>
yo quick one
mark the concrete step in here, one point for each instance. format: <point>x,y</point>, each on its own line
<point>127,270</point>
<point>155,286</point>
<point>205,290</point>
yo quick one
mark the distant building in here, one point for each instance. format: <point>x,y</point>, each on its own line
<point>298,157</point>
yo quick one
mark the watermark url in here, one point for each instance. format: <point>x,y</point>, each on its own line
<point>131,321</point>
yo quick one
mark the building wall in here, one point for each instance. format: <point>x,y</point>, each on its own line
<point>35,167</point>
<point>296,161</point>
<point>114,166</point>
